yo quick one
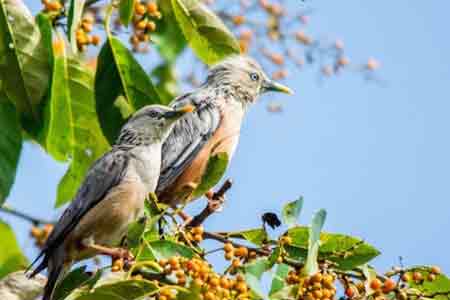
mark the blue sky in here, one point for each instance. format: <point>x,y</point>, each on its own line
<point>377,158</point>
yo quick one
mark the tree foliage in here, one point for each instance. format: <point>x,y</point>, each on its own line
<point>50,94</point>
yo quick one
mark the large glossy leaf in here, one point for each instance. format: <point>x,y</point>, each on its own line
<point>169,38</point>
<point>73,21</point>
<point>166,249</point>
<point>126,8</point>
<point>88,140</point>
<point>253,272</point>
<point>58,115</point>
<point>346,251</point>
<point>11,257</point>
<point>215,169</point>
<point>24,65</point>
<point>70,282</point>
<point>10,146</point>
<point>118,73</point>
<point>291,211</point>
<point>205,32</point>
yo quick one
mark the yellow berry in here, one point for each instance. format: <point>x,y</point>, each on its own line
<point>139,9</point>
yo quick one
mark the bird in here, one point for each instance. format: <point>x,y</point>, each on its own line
<point>221,102</point>
<point>111,196</point>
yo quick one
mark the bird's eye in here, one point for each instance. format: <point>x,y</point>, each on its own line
<point>254,76</point>
<point>153,114</point>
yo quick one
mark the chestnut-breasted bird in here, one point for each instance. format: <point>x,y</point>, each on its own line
<point>111,196</point>
<point>221,103</point>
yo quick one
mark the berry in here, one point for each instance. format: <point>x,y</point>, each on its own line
<point>228,247</point>
<point>389,285</point>
<point>139,9</point>
<point>431,277</point>
<point>152,8</point>
<point>375,284</point>
<point>436,270</point>
<point>236,263</point>
<point>417,276</point>
<point>241,252</point>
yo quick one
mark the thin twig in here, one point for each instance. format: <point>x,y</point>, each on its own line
<point>223,239</point>
<point>208,210</point>
<point>34,220</point>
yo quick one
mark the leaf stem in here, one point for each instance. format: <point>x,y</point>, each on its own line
<point>33,220</point>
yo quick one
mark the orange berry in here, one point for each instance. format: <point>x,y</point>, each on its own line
<point>236,263</point>
<point>141,24</point>
<point>115,269</point>
<point>139,9</point>
<point>435,270</point>
<point>317,294</point>
<point>278,59</point>
<point>214,282</point>
<point>279,259</point>
<point>431,277</point>
<point>209,296</point>
<point>198,229</point>
<point>375,284</point>
<point>327,294</point>
<point>343,61</point>
<point>163,262</point>
<point>36,232</point>
<point>372,64</point>
<point>224,282</point>
<point>238,20</point>
<point>95,40</point>
<point>174,261</point>
<point>228,247</point>
<point>241,287</point>
<point>87,27</point>
<point>417,276</point>
<point>152,8</point>
<point>252,254</point>
<point>162,297</point>
<point>316,278</point>
<point>389,285</point>
<point>241,252</point>
<point>53,6</point>
<point>405,277</point>
<point>303,38</point>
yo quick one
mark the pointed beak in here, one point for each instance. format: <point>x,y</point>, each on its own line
<point>273,86</point>
<point>179,112</point>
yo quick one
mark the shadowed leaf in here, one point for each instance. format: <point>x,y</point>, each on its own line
<point>217,165</point>
<point>126,9</point>
<point>205,32</point>
<point>10,147</point>
<point>24,64</point>
<point>73,21</point>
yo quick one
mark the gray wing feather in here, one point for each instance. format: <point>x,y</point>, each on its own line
<point>106,173</point>
<point>187,138</point>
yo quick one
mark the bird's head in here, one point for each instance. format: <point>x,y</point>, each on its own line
<point>151,123</point>
<point>245,77</point>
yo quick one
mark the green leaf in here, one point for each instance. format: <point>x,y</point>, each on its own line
<point>166,82</point>
<point>291,211</point>
<point>346,251</point>
<point>73,21</point>
<point>11,257</point>
<point>135,231</point>
<point>169,38</point>
<point>118,73</point>
<point>215,169</point>
<point>311,265</point>
<point>73,280</point>
<point>120,290</point>
<point>126,9</point>
<point>88,143</point>
<point>278,281</point>
<point>287,293</point>
<point>253,272</point>
<point>256,236</point>
<point>440,285</point>
<point>59,133</point>
<point>10,147</point>
<point>167,249</point>
<point>24,64</point>
<point>206,34</point>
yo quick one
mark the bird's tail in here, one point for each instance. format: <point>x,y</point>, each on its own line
<point>56,269</point>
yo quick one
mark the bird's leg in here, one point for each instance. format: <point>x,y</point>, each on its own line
<point>114,253</point>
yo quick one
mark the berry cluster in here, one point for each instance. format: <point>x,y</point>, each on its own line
<point>195,234</point>
<point>197,273</point>
<point>144,24</point>
<point>237,254</point>
<point>40,234</point>
<point>82,34</point>
<point>319,286</point>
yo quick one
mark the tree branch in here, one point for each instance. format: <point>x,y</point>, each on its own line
<point>33,220</point>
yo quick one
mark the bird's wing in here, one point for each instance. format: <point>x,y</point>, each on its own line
<point>106,173</point>
<point>187,138</point>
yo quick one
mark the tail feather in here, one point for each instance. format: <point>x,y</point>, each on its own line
<point>56,270</point>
